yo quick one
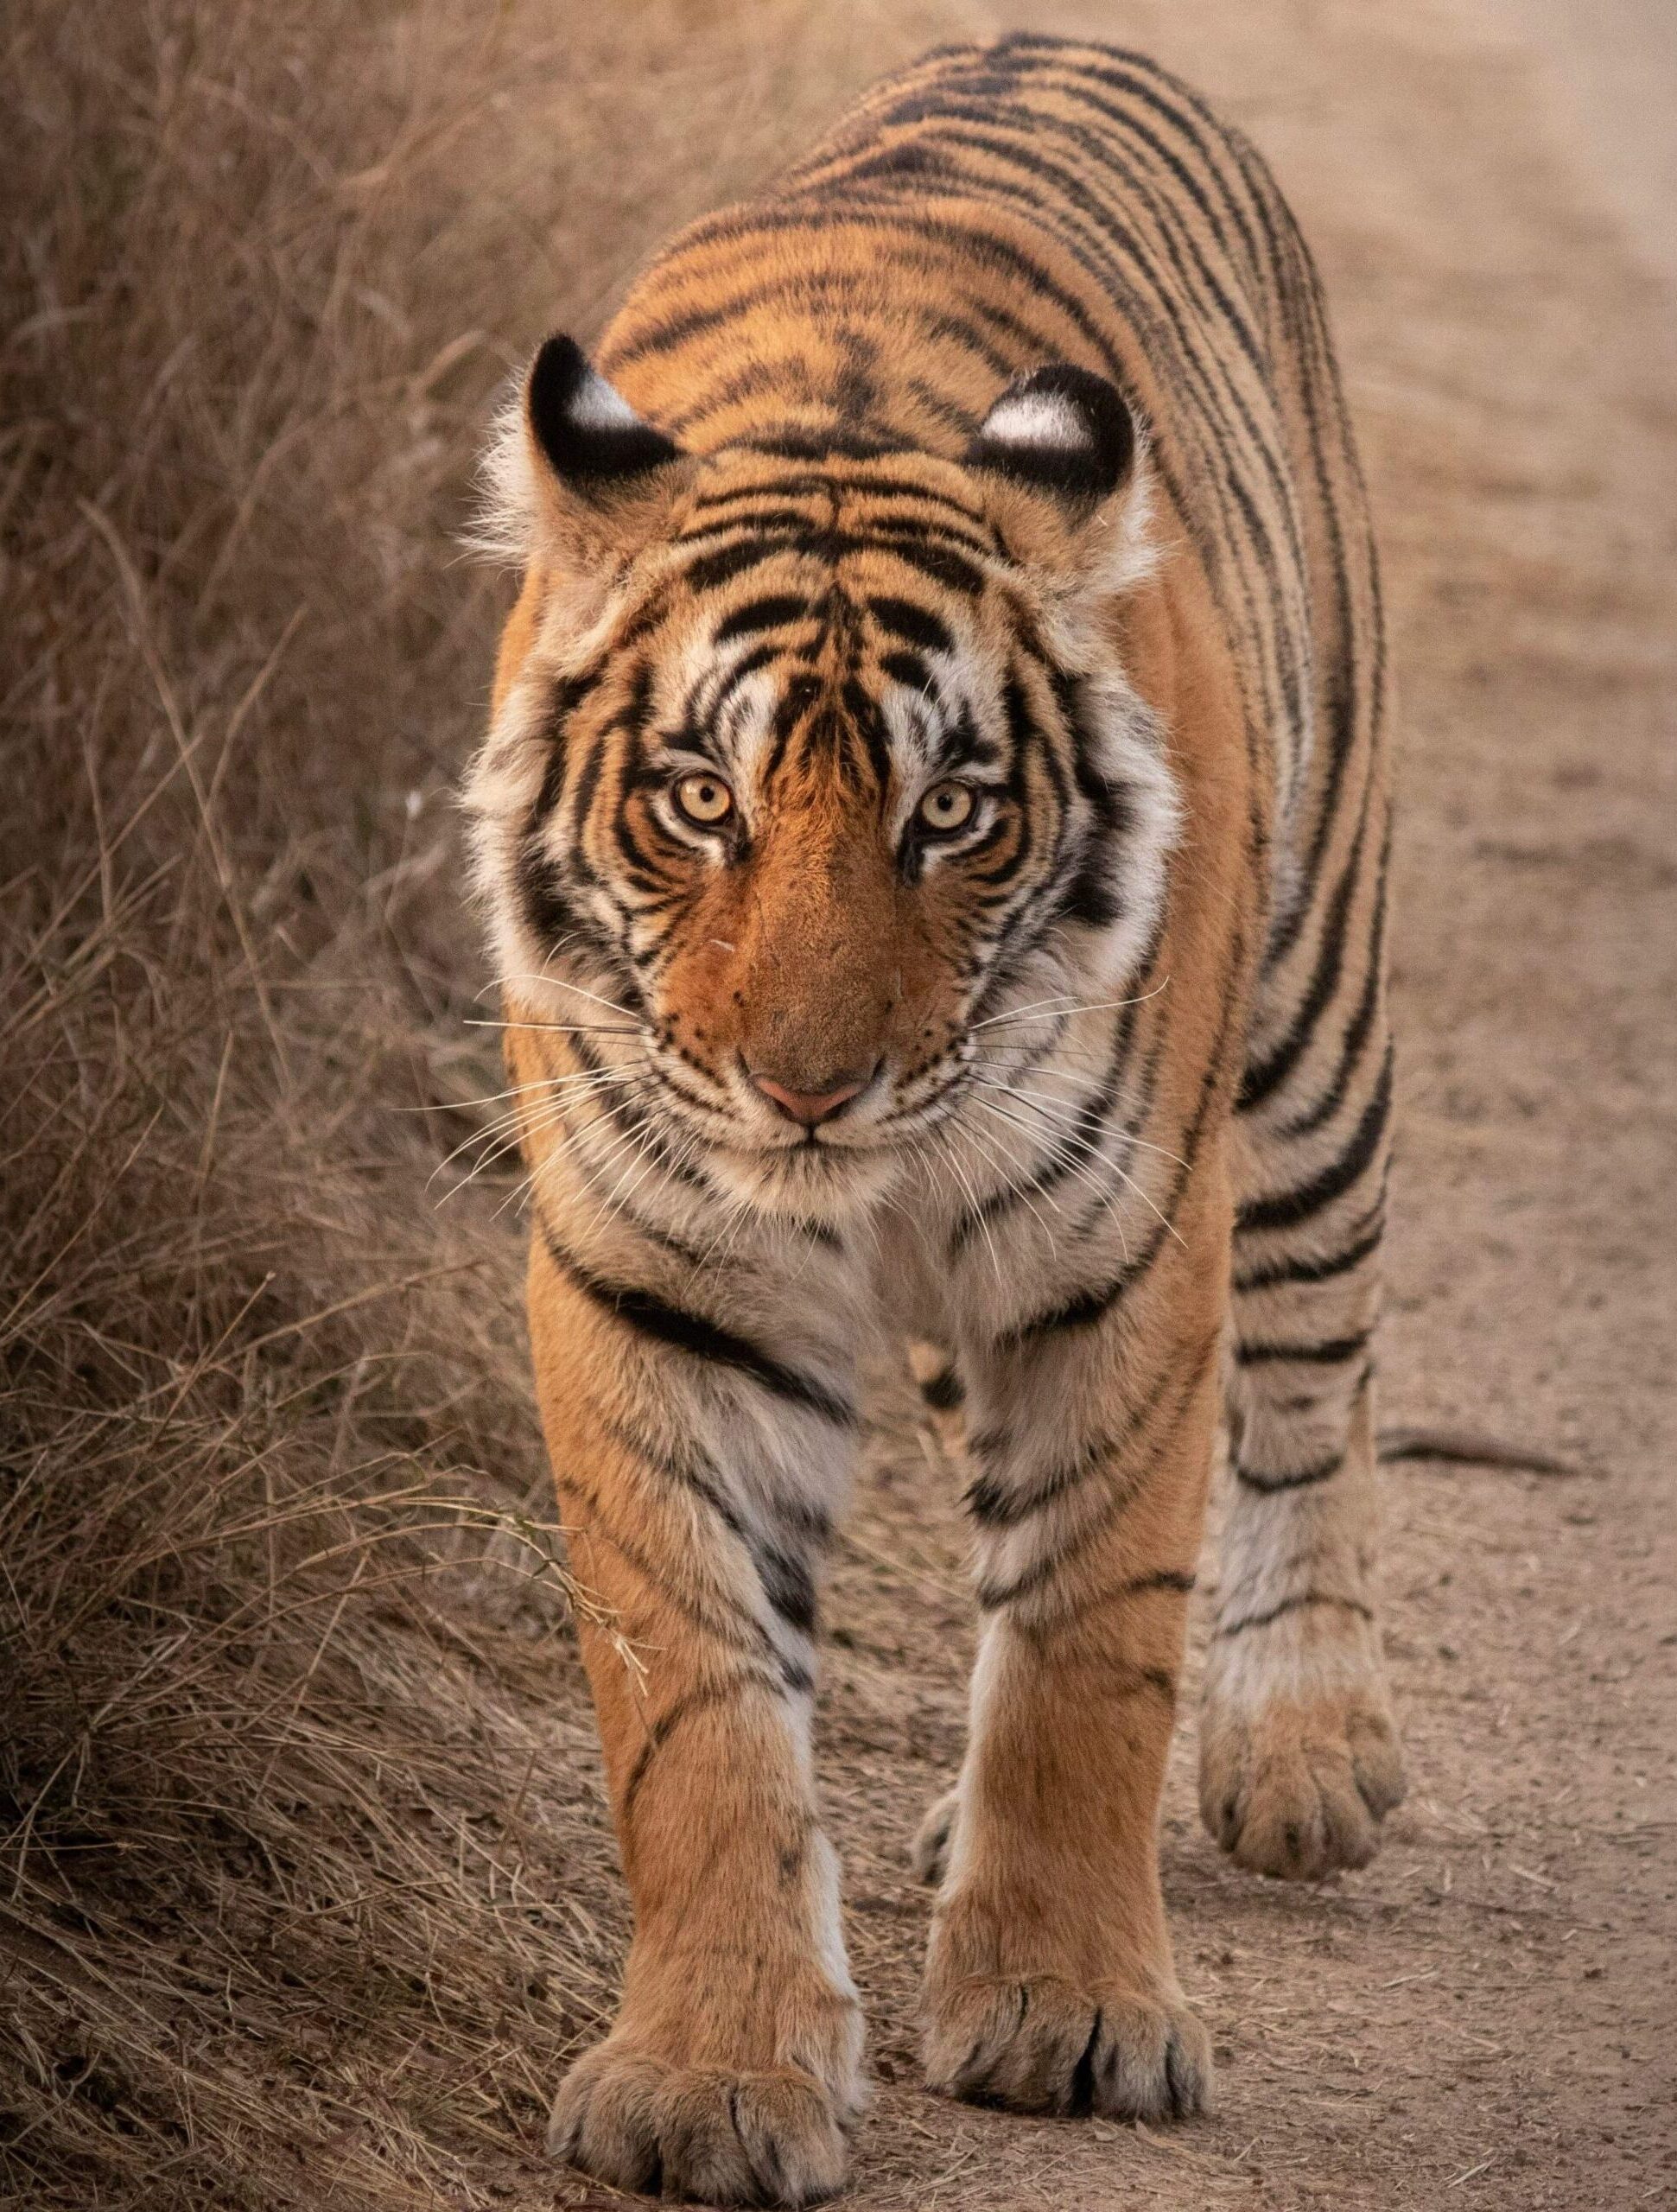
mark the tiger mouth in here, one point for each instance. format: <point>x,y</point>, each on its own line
<point>831,1150</point>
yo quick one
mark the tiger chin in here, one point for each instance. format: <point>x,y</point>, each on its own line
<point>932,829</point>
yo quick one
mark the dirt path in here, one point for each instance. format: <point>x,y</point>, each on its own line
<point>1489,2016</point>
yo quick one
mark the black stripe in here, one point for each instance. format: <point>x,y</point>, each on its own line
<point>1090,1305</point>
<point>1306,1478</point>
<point>690,1332</point>
<point>915,625</point>
<point>1358,1030</point>
<point>828,442</point>
<point>906,669</point>
<point>759,520</point>
<point>696,1701</point>
<point>944,1391</point>
<point>746,666</point>
<point>789,1586</point>
<point>1302,1270</point>
<point>1329,1353</point>
<point>762,378</point>
<point>772,612</point>
<point>1258,1083</point>
<point>827,484</point>
<point>994,1596</point>
<point>712,569</point>
<point>964,240</point>
<point>582,797</point>
<point>935,558</point>
<point>979,125</point>
<point>996,1504</point>
<point>547,906</point>
<point>567,698</point>
<point>1288,1208</point>
<point>698,1474</point>
<point>736,1628</point>
<point>868,723</point>
<point>1164,1578</point>
<point>1063,66</point>
<point>1105,261</point>
<point>1118,80</point>
<point>1296,1605</point>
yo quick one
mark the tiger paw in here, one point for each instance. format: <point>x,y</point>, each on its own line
<point>1298,1788</point>
<point>635,2121</point>
<point>929,1855</point>
<point>1038,2044</point>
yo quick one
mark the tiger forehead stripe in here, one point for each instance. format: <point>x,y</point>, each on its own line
<point>772,612</point>
<point>945,556</point>
<point>836,491</point>
<point>914,625</point>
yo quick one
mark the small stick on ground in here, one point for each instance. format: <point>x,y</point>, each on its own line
<point>1466,1447</point>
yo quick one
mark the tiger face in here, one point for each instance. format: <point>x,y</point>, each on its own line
<point>807,765</point>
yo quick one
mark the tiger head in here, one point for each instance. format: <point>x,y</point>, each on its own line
<point>812,759</point>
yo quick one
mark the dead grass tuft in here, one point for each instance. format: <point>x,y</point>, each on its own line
<point>303,1888</point>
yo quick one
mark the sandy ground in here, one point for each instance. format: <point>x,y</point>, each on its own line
<point>1488,2016</point>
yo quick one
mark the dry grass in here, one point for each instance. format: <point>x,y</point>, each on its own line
<point>302,1893</point>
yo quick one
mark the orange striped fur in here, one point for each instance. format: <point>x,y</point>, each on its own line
<point>933,831</point>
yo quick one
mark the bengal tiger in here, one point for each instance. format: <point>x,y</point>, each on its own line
<point>933,831</point>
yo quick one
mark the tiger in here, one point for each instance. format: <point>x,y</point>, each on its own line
<point>932,832</point>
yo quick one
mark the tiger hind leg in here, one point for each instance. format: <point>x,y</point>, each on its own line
<point>1300,1759</point>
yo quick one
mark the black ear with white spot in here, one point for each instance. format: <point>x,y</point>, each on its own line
<point>1059,430</point>
<point>590,437</point>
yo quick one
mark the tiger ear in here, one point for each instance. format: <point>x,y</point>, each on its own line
<point>577,476</point>
<point>1063,454</point>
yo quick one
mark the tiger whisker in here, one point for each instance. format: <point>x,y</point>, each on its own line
<point>634,1145</point>
<point>1077,1119</point>
<point>1059,1003</point>
<point>1081,1171</point>
<point>554,1117</point>
<point>557,1090</point>
<point>1012,1188</point>
<point>561,1028</point>
<point>1064,1012</point>
<point>558,982</point>
<point>737,1211</point>
<point>973,1201</point>
<point>489,1098</point>
<point>620,1197</point>
<point>526,1183</point>
<point>630,1138</point>
<point>1058,1152</point>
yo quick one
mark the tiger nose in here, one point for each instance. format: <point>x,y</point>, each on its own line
<point>812,1106</point>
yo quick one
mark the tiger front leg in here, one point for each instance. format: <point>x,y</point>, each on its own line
<point>1050,1984</point>
<point>734,2067</point>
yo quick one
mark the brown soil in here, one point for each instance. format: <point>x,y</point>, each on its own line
<point>1488,2016</point>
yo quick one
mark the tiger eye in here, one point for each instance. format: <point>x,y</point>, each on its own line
<point>948,806</point>
<point>703,798</point>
